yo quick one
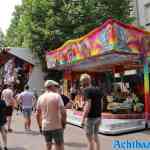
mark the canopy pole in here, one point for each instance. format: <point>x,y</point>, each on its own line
<point>147,90</point>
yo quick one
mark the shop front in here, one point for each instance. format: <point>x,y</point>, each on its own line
<point>18,67</point>
<point>117,57</point>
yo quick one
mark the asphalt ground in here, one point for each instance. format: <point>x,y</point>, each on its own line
<point>74,137</point>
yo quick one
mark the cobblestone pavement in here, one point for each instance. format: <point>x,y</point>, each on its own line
<point>74,137</point>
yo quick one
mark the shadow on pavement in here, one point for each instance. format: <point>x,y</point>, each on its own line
<point>142,131</point>
<point>17,148</point>
<point>34,133</point>
<point>147,131</point>
<point>75,144</point>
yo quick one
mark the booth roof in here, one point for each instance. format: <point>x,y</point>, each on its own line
<point>112,36</point>
<point>22,53</point>
<point>102,26</point>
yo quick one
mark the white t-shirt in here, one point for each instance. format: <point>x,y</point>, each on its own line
<point>50,105</point>
<point>7,96</point>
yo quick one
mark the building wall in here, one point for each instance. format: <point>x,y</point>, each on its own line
<point>142,8</point>
<point>36,80</point>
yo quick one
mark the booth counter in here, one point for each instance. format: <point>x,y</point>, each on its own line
<point>109,125</point>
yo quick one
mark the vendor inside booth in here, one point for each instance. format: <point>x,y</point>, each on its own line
<point>116,57</point>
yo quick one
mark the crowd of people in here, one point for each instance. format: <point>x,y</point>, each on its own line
<point>50,109</point>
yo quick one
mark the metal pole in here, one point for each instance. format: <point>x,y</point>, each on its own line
<point>146,90</point>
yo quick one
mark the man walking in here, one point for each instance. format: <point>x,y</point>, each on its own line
<point>92,111</point>
<point>3,121</point>
<point>50,109</point>
<point>7,96</point>
<point>26,98</point>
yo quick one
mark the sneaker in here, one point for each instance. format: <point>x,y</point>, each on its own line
<point>28,130</point>
<point>10,130</point>
<point>17,113</point>
<point>41,131</point>
<point>5,148</point>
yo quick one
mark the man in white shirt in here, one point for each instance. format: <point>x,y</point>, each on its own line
<point>50,109</point>
<point>27,98</point>
<point>7,96</point>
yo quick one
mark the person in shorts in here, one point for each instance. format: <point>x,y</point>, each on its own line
<point>50,109</point>
<point>27,98</point>
<point>92,111</point>
<point>3,121</point>
<point>7,96</point>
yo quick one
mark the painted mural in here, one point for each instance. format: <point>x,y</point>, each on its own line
<point>111,36</point>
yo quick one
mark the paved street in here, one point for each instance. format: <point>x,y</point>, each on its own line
<point>74,137</point>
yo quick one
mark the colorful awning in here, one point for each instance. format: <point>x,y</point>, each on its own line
<point>112,36</point>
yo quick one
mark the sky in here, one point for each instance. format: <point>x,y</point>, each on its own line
<point>6,9</point>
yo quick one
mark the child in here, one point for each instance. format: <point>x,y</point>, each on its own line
<point>2,123</point>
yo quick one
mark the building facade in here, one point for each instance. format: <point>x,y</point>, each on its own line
<point>141,11</point>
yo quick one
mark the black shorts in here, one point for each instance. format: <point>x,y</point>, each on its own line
<point>56,135</point>
<point>9,111</point>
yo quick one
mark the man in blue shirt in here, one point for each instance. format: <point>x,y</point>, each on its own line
<point>27,99</point>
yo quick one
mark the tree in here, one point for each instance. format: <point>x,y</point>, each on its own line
<point>47,24</point>
<point>1,39</point>
<point>19,31</point>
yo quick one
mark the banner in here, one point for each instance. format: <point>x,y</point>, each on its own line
<point>111,36</point>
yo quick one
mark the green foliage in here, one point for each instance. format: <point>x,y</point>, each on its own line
<point>2,43</point>
<point>19,33</point>
<point>47,24</point>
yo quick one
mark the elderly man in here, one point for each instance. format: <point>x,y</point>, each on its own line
<point>92,111</point>
<point>50,109</point>
<point>7,96</point>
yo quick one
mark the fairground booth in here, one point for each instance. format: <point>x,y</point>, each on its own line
<point>117,56</point>
<point>18,67</point>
